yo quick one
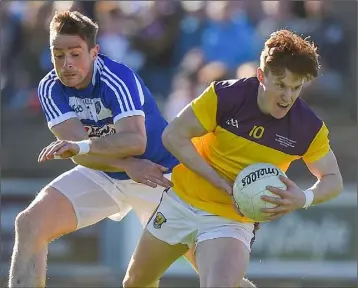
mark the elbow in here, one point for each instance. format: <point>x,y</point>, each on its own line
<point>168,138</point>
<point>339,185</point>
<point>139,145</point>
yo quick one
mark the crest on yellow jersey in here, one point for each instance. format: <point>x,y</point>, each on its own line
<point>159,220</point>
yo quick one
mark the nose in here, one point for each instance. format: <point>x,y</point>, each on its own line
<point>67,63</point>
<point>287,95</point>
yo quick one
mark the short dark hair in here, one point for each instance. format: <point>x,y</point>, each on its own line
<point>74,23</point>
<point>286,50</point>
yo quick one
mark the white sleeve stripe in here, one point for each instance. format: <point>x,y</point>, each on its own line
<point>115,92</point>
<point>44,107</point>
<point>61,118</point>
<point>128,114</point>
<point>45,96</point>
<point>121,99</point>
<point>53,104</point>
<point>42,100</point>
<point>45,91</point>
<point>118,80</point>
<point>106,72</point>
<point>140,90</point>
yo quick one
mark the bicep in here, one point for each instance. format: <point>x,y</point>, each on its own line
<point>71,129</point>
<point>133,124</point>
<point>327,165</point>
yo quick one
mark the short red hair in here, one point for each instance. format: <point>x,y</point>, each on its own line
<point>286,50</point>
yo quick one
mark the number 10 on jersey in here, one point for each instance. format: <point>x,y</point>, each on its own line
<point>257,132</point>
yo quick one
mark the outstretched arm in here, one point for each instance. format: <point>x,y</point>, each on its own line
<point>73,129</point>
<point>139,170</point>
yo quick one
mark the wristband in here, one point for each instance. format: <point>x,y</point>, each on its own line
<point>84,147</point>
<point>309,198</point>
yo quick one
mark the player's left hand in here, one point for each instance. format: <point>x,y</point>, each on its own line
<point>59,149</point>
<point>289,200</point>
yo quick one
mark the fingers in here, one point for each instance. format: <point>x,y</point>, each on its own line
<point>274,210</point>
<point>277,191</point>
<point>149,183</point>
<point>45,153</point>
<point>54,149</point>
<point>62,150</point>
<point>273,200</point>
<point>162,168</point>
<point>287,181</point>
<point>161,181</point>
<point>42,154</point>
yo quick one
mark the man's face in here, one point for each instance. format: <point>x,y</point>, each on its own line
<point>280,92</point>
<point>72,60</point>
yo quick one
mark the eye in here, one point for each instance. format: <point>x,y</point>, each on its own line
<point>58,56</point>
<point>279,85</point>
<point>297,88</point>
<point>75,54</point>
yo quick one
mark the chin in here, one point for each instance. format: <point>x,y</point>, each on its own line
<point>279,114</point>
<point>72,83</point>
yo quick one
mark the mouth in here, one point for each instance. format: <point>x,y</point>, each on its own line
<point>69,75</point>
<point>283,105</point>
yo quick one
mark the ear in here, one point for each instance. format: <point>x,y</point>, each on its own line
<point>95,51</point>
<point>260,75</point>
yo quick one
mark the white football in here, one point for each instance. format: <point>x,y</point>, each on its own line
<point>251,184</point>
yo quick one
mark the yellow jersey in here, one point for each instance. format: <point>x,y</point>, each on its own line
<point>239,134</point>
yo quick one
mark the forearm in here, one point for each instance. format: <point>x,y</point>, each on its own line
<point>107,164</point>
<point>118,145</point>
<point>186,153</point>
<point>100,163</point>
<point>327,188</point>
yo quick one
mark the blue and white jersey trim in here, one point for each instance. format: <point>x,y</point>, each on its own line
<point>124,97</point>
<point>53,112</point>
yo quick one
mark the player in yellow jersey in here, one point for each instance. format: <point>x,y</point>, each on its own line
<point>231,125</point>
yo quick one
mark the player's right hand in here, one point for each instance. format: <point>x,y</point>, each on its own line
<point>60,149</point>
<point>146,172</point>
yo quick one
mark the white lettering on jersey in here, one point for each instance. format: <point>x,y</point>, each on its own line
<point>90,109</point>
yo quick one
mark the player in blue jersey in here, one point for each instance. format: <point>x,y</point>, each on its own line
<point>89,96</point>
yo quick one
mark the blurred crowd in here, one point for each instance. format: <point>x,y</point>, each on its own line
<point>177,47</point>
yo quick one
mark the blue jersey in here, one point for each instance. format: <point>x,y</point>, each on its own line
<point>115,92</point>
